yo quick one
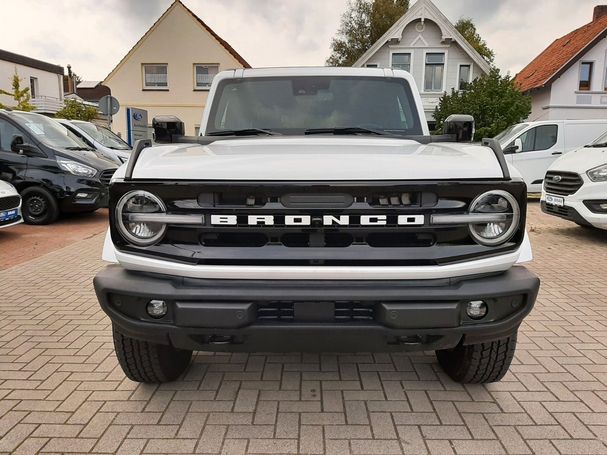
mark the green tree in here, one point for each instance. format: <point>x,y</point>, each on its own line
<point>493,100</point>
<point>363,23</point>
<point>75,110</point>
<point>20,95</point>
<point>468,30</point>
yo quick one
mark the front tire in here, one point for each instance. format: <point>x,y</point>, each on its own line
<point>478,363</point>
<point>147,362</point>
<point>39,206</point>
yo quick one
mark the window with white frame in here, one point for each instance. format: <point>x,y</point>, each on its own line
<point>464,76</point>
<point>435,69</point>
<point>401,61</point>
<point>204,74</point>
<point>155,76</point>
<point>33,87</point>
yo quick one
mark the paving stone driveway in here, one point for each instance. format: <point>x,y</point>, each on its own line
<point>62,391</point>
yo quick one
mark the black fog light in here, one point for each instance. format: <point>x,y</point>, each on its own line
<point>596,206</point>
<point>157,308</point>
<point>476,309</point>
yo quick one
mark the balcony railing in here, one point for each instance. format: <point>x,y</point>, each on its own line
<point>46,104</point>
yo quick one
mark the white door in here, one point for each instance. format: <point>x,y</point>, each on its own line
<point>539,147</point>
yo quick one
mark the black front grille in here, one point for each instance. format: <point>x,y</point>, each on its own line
<point>106,176</point>
<point>11,202</point>
<point>563,212</point>
<point>405,237</point>
<point>343,312</point>
<point>562,183</point>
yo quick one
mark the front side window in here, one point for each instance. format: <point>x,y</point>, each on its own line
<point>401,61</point>
<point>155,76</point>
<point>203,75</point>
<point>7,132</point>
<point>464,77</point>
<point>435,67</point>
<point>585,76</point>
<point>49,132</point>
<point>539,138</point>
<point>291,105</point>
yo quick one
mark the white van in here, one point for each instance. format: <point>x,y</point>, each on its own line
<point>532,147</point>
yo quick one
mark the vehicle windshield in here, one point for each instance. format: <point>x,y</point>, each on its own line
<point>600,142</point>
<point>510,132</point>
<point>50,132</point>
<point>305,104</point>
<point>102,135</point>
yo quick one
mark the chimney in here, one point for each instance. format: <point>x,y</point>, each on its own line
<point>600,11</point>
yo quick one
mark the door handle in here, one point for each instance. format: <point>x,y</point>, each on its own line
<point>557,153</point>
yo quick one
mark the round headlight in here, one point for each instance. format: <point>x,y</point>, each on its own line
<point>135,229</point>
<point>500,231</point>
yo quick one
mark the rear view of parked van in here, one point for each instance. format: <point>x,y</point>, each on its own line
<point>532,147</point>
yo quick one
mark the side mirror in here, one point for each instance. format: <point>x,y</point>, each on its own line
<point>461,126</point>
<point>21,147</point>
<point>167,128</point>
<point>518,145</point>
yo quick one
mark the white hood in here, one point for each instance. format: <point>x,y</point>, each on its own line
<point>581,160</point>
<point>6,189</point>
<point>316,159</point>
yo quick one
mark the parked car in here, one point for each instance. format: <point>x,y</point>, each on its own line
<point>316,212</point>
<point>575,187</point>
<point>100,138</point>
<point>10,205</point>
<point>52,169</point>
<point>533,146</point>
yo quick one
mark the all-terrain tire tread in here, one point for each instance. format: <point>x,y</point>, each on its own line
<point>147,362</point>
<point>478,363</point>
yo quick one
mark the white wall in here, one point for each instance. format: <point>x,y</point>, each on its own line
<point>49,84</point>
<point>418,44</point>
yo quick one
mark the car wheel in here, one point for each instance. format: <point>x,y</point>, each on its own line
<point>478,363</point>
<point>39,206</point>
<point>147,362</point>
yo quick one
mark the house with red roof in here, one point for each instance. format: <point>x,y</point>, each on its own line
<point>568,80</point>
<point>170,69</point>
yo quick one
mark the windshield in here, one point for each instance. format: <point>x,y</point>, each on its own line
<point>49,132</point>
<point>511,131</point>
<point>295,105</point>
<point>102,135</point>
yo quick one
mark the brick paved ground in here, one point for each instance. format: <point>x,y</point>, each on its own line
<point>23,242</point>
<point>61,389</point>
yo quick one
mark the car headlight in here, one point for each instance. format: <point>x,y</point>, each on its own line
<point>75,168</point>
<point>497,232</point>
<point>598,174</point>
<point>138,230</point>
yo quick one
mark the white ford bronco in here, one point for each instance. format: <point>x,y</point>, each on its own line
<point>316,212</point>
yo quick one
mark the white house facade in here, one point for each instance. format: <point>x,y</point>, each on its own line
<point>568,80</point>
<point>45,81</point>
<point>425,43</point>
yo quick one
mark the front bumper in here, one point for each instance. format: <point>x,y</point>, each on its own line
<point>340,316</point>
<point>576,206</point>
<point>83,195</point>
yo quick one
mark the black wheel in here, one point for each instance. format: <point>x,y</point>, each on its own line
<point>478,363</point>
<point>39,206</point>
<point>142,361</point>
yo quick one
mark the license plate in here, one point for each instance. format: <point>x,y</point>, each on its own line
<point>555,200</point>
<point>8,215</point>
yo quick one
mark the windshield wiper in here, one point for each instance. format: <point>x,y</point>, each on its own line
<point>80,149</point>
<point>596,146</point>
<point>347,130</point>
<point>243,132</point>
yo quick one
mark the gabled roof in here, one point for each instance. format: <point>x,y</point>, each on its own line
<point>175,4</point>
<point>30,62</point>
<point>425,9</point>
<point>560,55</point>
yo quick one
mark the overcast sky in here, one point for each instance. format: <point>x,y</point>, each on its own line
<point>93,36</point>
